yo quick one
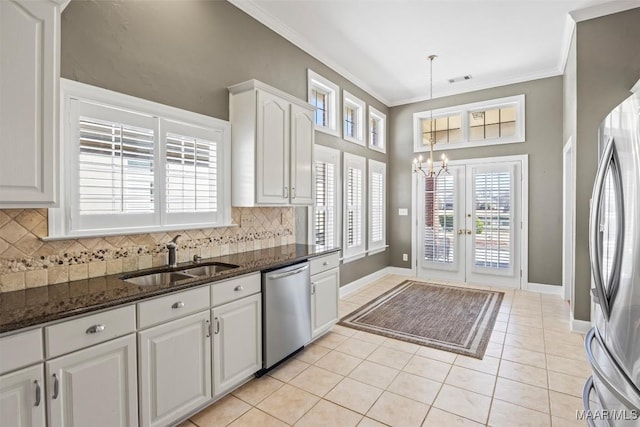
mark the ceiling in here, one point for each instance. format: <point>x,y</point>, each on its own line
<point>383,45</point>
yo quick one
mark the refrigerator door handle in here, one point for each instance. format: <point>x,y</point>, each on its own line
<point>586,391</point>
<point>608,379</point>
<point>608,163</point>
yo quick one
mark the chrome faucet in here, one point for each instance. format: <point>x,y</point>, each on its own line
<point>172,246</point>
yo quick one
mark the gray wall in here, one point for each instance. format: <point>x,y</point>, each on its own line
<point>607,65</point>
<point>543,145</point>
<point>185,54</point>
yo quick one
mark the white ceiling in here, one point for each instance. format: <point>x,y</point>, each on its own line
<point>382,45</point>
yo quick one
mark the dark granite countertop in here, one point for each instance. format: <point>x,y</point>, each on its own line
<point>31,307</point>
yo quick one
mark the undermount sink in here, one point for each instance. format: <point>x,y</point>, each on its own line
<point>172,277</point>
<point>209,269</point>
<point>155,279</point>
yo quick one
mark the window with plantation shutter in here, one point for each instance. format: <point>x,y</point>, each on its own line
<point>325,210</point>
<point>133,165</point>
<point>354,207</point>
<point>377,207</point>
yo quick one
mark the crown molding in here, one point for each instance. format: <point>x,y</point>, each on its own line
<point>603,9</point>
<point>254,10</point>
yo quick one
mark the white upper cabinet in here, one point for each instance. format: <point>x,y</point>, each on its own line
<point>272,147</point>
<point>29,75</point>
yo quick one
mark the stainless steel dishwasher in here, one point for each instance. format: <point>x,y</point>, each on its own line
<point>286,294</point>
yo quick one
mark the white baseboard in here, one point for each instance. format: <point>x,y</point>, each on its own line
<point>581,326</point>
<point>545,289</point>
<point>401,271</point>
<point>350,288</point>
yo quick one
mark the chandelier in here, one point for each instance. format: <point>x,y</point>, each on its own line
<point>430,171</point>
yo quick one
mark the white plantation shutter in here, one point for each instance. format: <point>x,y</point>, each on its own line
<point>113,167</point>
<point>354,207</point>
<point>325,210</point>
<point>377,206</point>
<point>192,163</point>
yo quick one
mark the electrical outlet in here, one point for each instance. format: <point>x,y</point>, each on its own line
<point>405,257</point>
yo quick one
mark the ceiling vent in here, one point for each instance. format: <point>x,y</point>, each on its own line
<point>460,79</point>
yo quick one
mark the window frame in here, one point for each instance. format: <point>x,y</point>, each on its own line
<point>380,118</point>
<point>377,247</point>
<point>64,222</point>
<point>332,156</point>
<point>464,110</point>
<point>358,105</point>
<point>356,252</point>
<point>317,82</point>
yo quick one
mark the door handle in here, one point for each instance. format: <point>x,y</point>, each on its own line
<point>56,387</point>
<point>460,231</point>
<point>217,330</point>
<point>469,231</point>
<point>313,288</point>
<point>288,273</point>
<point>208,325</point>
<point>37,402</point>
<point>286,192</point>
<point>293,192</point>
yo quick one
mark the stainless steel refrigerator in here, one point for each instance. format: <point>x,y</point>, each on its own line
<point>612,394</point>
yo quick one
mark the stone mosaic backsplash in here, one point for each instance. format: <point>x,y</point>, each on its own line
<point>26,261</point>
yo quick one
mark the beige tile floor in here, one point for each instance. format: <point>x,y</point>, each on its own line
<point>531,375</point>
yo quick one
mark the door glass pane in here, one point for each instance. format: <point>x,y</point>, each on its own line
<point>492,220</point>
<point>439,223</point>
<point>608,226</point>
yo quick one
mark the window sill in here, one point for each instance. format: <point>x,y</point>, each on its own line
<point>351,258</point>
<point>120,232</point>
<point>328,131</point>
<point>378,149</point>
<point>377,250</point>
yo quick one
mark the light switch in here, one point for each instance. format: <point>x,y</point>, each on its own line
<point>403,211</point>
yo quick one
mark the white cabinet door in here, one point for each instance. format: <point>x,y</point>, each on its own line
<point>175,369</point>
<point>29,73</point>
<point>22,398</point>
<point>324,301</point>
<point>272,161</point>
<point>302,135</point>
<point>237,342</point>
<point>95,386</point>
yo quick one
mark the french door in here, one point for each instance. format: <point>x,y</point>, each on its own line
<point>470,224</point>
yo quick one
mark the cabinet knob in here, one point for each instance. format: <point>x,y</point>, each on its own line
<point>325,263</point>
<point>95,329</point>
<point>239,288</point>
<point>178,304</point>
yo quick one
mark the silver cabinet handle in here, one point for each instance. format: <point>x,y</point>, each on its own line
<point>239,288</point>
<point>313,288</point>
<point>217,330</point>
<point>37,393</point>
<point>324,264</point>
<point>56,387</point>
<point>293,192</point>
<point>286,192</point>
<point>208,328</point>
<point>288,273</point>
<point>95,329</point>
<point>178,304</point>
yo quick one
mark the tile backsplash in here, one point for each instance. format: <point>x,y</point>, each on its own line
<point>27,261</point>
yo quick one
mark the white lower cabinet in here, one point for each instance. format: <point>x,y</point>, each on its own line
<point>94,387</point>
<point>237,342</point>
<point>325,284</point>
<point>22,398</point>
<point>175,369</point>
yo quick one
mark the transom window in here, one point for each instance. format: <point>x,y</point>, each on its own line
<point>497,121</point>
<point>377,130</point>
<point>353,118</point>
<point>323,94</point>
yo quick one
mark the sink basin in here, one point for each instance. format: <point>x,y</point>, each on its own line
<point>209,269</point>
<point>171,277</point>
<point>166,278</point>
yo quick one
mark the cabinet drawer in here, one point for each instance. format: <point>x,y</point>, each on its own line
<point>172,306</point>
<point>231,290</point>
<point>89,330</point>
<point>20,350</point>
<point>324,263</point>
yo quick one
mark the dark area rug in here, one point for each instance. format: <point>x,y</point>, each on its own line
<point>450,318</point>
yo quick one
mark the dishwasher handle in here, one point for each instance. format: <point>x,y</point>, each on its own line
<point>287,273</point>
